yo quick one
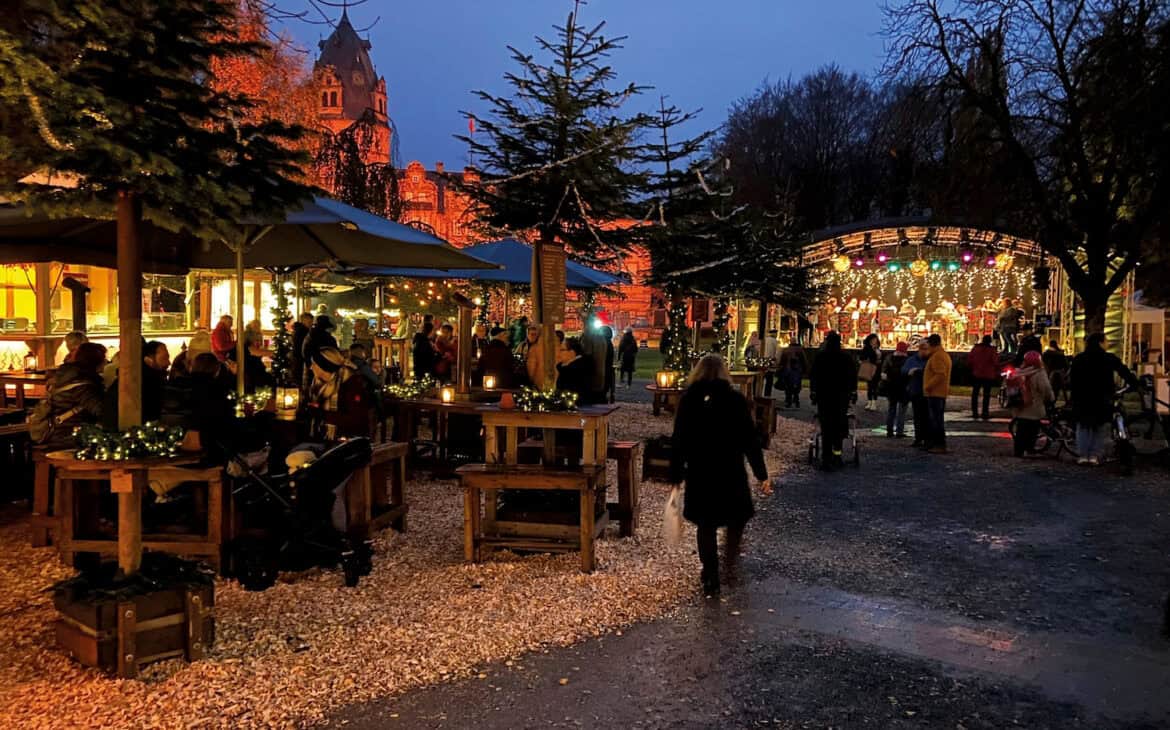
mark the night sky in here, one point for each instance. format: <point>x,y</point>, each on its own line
<point>699,53</point>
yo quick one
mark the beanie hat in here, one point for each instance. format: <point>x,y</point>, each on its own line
<point>903,347</point>
<point>1032,359</point>
<point>199,343</point>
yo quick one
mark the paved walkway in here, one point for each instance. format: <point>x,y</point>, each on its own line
<point>966,591</point>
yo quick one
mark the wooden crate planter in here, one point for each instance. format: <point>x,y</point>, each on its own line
<point>120,633</point>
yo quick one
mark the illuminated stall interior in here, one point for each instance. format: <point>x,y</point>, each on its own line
<point>908,282</point>
<point>38,307</point>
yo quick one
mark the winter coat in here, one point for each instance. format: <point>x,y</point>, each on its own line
<point>534,364</point>
<point>1054,360</point>
<point>222,341</point>
<point>317,339</point>
<point>984,362</point>
<point>896,382</point>
<point>913,369</point>
<point>154,383</point>
<point>628,352</point>
<point>771,347</point>
<point>446,356</point>
<point>576,376</point>
<point>833,380</point>
<point>596,346</point>
<point>1093,384</point>
<point>496,359</point>
<point>422,355</point>
<point>1031,343</point>
<point>77,395</point>
<point>1040,390</point>
<point>936,377</point>
<point>713,432</point>
<point>792,365</point>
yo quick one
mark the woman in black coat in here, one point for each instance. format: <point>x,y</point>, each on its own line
<point>628,352</point>
<point>1093,379</point>
<point>713,432</point>
<point>576,375</point>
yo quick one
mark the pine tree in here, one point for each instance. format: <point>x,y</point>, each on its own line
<point>557,154</point>
<point>119,94</point>
<point>342,169</point>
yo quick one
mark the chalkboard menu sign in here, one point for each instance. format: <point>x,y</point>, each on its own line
<point>552,281</point>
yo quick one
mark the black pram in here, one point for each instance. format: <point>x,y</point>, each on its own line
<point>285,520</point>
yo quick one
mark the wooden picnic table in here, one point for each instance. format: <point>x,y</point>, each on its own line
<point>406,417</point>
<point>747,381</point>
<point>665,398</point>
<point>128,479</point>
<point>20,381</point>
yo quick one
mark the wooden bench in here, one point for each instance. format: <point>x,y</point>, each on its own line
<point>47,506</point>
<point>207,545</point>
<point>375,495</point>
<point>480,534</point>
<point>625,453</point>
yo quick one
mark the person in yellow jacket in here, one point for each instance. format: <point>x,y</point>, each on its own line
<point>936,386</point>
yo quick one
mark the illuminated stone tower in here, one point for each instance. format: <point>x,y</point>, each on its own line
<point>351,89</point>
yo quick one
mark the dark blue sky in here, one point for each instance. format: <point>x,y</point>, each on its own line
<point>698,52</point>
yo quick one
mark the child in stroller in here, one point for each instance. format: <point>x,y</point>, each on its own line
<point>286,519</point>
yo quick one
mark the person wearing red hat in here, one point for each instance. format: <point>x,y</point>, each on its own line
<point>1031,403</point>
<point>894,385</point>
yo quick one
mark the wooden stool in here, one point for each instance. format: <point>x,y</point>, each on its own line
<point>47,506</point>
<point>479,535</point>
<point>626,454</point>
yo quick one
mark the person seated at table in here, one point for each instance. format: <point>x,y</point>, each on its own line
<point>156,361</point>
<point>338,394</point>
<point>371,374</point>
<point>496,360</point>
<point>198,401</point>
<point>199,344</point>
<point>73,340</point>
<point>422,351</point>
<point>576,375</point>
<point>479,340</point>
<point>74,397</point>
<point>564,354</point>
<point>446,353</point>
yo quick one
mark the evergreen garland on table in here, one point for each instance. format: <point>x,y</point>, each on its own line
<point>150,440</point>
<point>251,403</point>
<point>413,388</point>
<point>545,401</point>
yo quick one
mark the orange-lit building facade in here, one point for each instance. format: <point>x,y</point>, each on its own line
<point>349,87</point>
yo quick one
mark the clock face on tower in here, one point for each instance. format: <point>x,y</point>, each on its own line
<point>357,78</point>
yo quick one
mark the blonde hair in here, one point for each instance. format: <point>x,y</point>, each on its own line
<point>709,367</point>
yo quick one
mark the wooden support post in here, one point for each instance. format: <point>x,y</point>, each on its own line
<point>463,353</point>
<point>129,215</point>
<point>195,648</point>
<point>130,523</point>
<point>240,345</point>
<point>42,347</point>
<point>127,640</point>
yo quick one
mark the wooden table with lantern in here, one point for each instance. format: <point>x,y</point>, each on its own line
<point>502,427</point>
<point>20,382</point>
<point>665,397</point>
<point>406,418</point>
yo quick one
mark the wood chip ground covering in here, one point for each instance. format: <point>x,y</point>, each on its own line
<point>288,656</point>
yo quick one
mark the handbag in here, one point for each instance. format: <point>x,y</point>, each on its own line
<point>672,518</point>
<point>867,371</point>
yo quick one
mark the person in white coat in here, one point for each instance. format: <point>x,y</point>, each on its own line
<point>771,352</point>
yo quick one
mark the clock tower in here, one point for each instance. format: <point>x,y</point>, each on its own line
<point>349,88</point>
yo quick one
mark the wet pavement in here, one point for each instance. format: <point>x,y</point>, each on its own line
<point>971,590</point>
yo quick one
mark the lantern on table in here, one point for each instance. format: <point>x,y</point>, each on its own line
<point>288,400</point>
<point>664,378</point>
<point>30,362</point>
<point>447,394</point>
<point>489,382</point>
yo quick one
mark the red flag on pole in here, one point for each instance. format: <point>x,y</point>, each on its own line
<point>471,124</point>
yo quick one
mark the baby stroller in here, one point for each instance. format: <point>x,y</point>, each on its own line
<point>286,519</point>
<point>851,449</point>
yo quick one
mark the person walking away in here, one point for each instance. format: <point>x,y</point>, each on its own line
<point>771,351</point>
<point>713,434</point>
<point>793,365</point>
<point>576,375</point>
<point>628,355</point>
<point>870,370</point>
<point>1008,325</point>
<point>1032,403</point>
<point>913,369</point>
<point>610,356</point>
<point>985,371</point>
<point>833,388</point>
<point>895,383</point>
<point>496,360</point>
<point>320,335</point>
<point>1092,379</point>
<point>223,342</point>
<point>936,386</point>
<point>1056,365</point>
<point>1028,343</point>
<point>534,358</point>
<point>422,352</point>
<point>74,397</point>
<point>596,347</point>
<point>300,331</point>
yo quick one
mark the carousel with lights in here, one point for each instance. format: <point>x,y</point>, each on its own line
<point>907,283</point>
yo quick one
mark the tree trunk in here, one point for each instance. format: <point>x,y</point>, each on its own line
<point>129,218</point>
<point>1095,310</point>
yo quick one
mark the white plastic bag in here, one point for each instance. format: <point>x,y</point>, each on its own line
<point>672,518</point>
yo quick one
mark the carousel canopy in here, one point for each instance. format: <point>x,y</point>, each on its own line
<point>514,259</point>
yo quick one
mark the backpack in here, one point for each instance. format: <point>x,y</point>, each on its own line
<point>42,422</point>
<point>1016,389</point>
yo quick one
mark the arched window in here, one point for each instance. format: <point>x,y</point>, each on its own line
<point>332,98</point>
<point>324,98</point>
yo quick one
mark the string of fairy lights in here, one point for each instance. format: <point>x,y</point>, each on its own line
<point>966,279</point>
